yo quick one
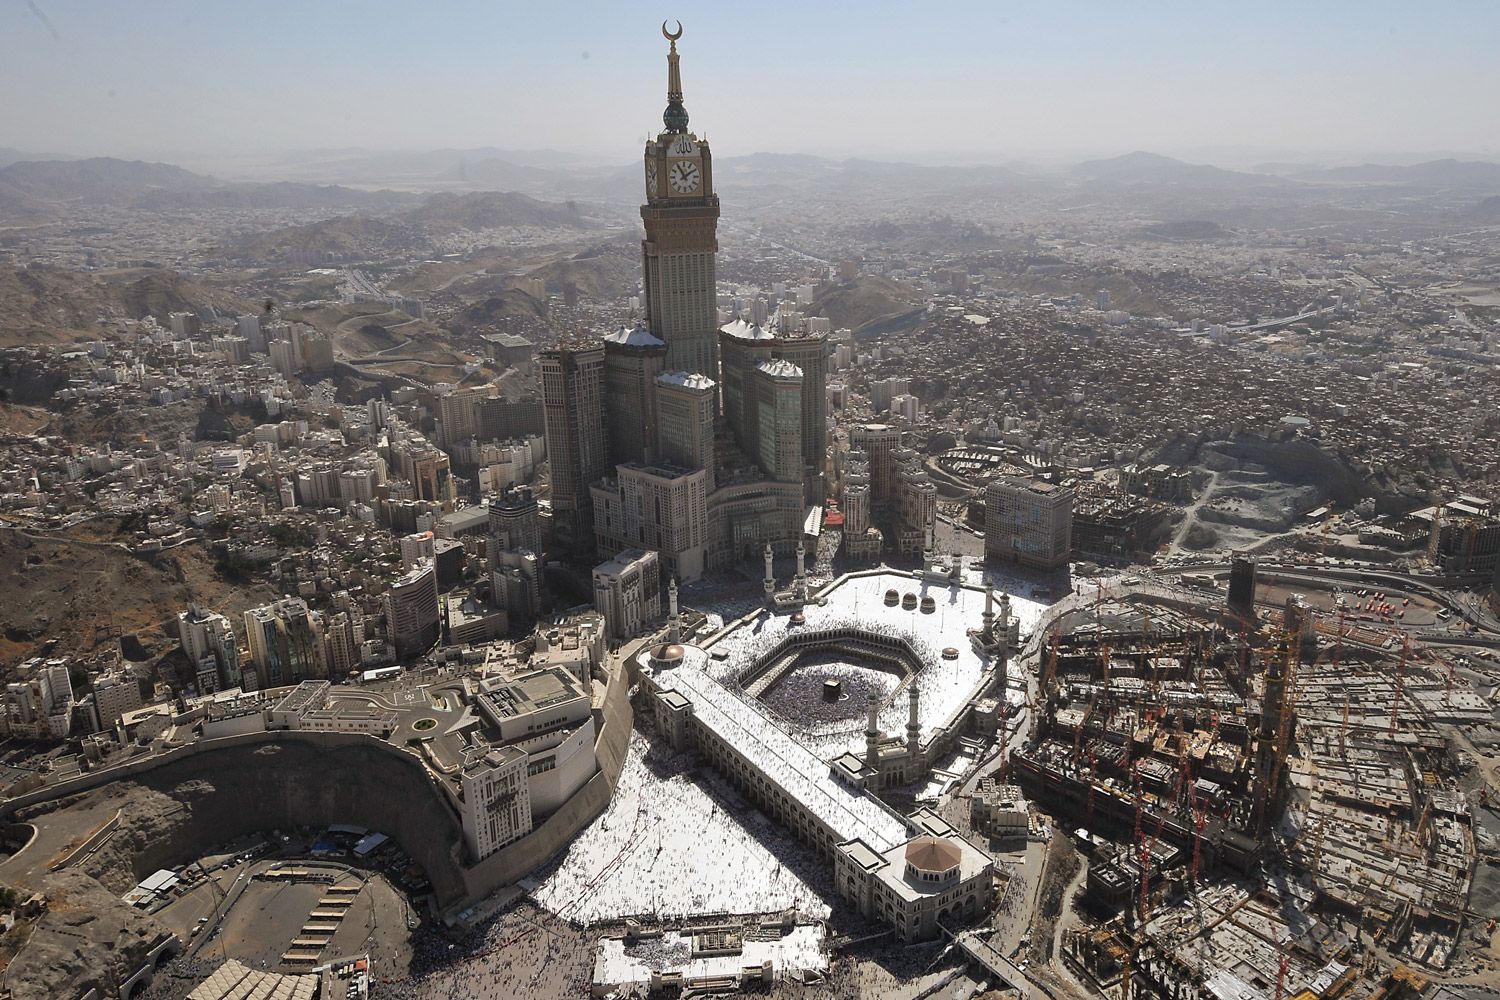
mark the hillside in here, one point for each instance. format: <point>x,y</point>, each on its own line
<point>865,300</point>
<point>345,236</point>
<point>445,213</point>
<point>414,229</point>
<point>1486,211</point>
<point>1433,173</point>
<point>1146,169</point>
<point>33,189</point>
<point>45,305</point>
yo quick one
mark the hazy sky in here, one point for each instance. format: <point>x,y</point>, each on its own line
<point>167,79</point>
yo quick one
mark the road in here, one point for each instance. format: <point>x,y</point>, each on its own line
<point>1190,515</point>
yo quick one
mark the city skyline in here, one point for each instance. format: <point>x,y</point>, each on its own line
<point>1331,83</point>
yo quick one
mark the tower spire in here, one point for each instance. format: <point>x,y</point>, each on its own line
<point>675,117</point>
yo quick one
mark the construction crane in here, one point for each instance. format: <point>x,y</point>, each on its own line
<point>1344,727</point>
<point>1050,672</point>
<point>1318,849</point>
<point>1282,966</point>
<point>1143,855</point>
<point>1200,821</point>
<point>1284,715</point>
<point>1422,824</point>
<point>1093,776</point>
<point>1400,682</point>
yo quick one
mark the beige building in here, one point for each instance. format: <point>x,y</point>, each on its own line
<point>627,592</point>
<point>932,881</point>
<point>778,401</point>
<point>685,405</point>
<point>658,507</point>
<point>1028,522</point>
<point>494,800</point>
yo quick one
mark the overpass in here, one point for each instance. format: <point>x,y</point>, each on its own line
<point>1000,967</point>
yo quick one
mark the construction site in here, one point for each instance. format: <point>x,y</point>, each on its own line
<point>1269,793</point>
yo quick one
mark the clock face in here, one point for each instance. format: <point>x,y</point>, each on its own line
<point>684,177</point>
<point>651,178</point>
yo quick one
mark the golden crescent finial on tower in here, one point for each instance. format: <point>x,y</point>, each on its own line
<point>671,36</point>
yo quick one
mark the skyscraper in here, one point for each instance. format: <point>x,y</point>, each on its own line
<point>778,400</point>
<point>411,608</point>
<point>633,358</point>
<point>681,216</point>
<point>685,422</point>
<point>573,411</point>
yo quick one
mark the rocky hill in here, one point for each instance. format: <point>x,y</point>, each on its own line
<point>87,933</point>
<point>39,305</point>
<point>866,300</point>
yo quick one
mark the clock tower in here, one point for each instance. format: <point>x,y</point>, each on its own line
<point>681,214</point>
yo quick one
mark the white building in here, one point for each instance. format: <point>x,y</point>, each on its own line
<point>495,801</point>
<point>545,714</point>
<point>114,695</point>
<point>627,592</point>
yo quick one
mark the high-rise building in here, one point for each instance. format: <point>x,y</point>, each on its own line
<point>496,800</point>
<point>515,523</point>
<point>412,611</point>
<point>248,326</point>
<point>1028,522</point>
<point>431,476</point>
<point>1242,586</point>
<point>573,408</point>
<point>207,635</point>
<point>685,405</point>
<point>681,214</point>
<point>879,443</point>
<point>778,400</point>
<point>459,411</point>
<point>658,507</point>
<point>344,635</point>
<point>743,347</point>
<point>114,695</point>
<point>885,390</point>
<point>186,325</point>
<point>627,592</point>
<point>502,419</point>
<point>633,358</point>
<point>809,352</point>
<point>915,502</point>
<point>285,640</point>
<point>416,549</point>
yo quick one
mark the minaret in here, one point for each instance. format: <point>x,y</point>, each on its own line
<point>1001,637</point>
<point>800,583</point>
<point>770,583</point>
<point>674,620</point>
<point>989,610</point>
<point>913,726</point>
<point>872,731</point>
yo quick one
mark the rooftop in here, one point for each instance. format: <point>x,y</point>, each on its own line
<point>689,380</point>
<point>806,778</point>
<point>637,336</point>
